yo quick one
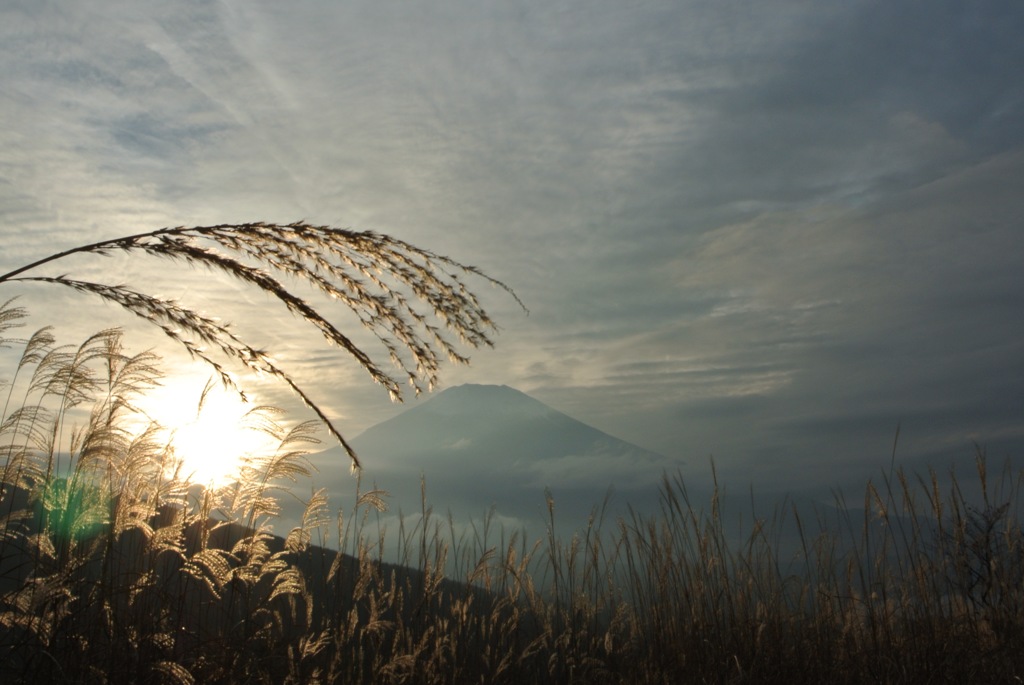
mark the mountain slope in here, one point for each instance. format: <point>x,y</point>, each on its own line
<point>474,430</point>
<point>484,446</point>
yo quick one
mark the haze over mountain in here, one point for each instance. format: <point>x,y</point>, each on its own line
<point>497,429</point>
<point>479,446</point>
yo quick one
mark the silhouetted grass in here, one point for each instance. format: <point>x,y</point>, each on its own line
<point>397,291</point>
<point>114,570</point>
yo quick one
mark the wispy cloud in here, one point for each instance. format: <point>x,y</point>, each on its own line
<point>769,231</point>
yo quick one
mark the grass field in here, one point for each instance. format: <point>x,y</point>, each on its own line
<point>115,570</point>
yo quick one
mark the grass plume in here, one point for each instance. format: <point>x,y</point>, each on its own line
<point>396,290</point>
<point>113,569</point>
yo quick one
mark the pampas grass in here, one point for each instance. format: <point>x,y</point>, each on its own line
<point>114,569</point>
<point>395,289</point>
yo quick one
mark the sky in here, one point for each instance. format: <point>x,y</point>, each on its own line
<point>769,233</point>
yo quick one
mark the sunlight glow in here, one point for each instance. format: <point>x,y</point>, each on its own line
<point>211,434</point>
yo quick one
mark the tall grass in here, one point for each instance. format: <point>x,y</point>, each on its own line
<point>397,291</point>
<point>115,570</point>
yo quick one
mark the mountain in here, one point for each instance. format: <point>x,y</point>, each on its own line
<point>484,446</point>
<point>474,430</point>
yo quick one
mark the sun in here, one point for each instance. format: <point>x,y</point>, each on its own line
<point>210,429</point>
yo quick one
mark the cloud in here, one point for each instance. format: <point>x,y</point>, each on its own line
<point>596,471</point>
<point>765,231</point>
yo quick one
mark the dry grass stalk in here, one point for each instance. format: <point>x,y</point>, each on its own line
<point>113,570</point>
<point>379,278</point>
